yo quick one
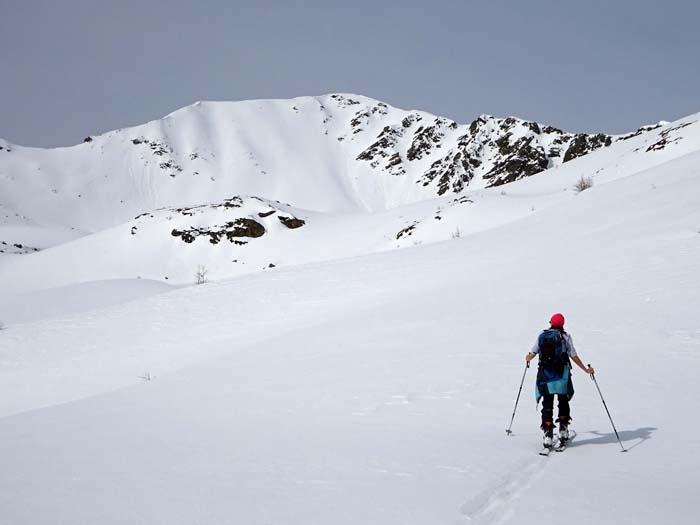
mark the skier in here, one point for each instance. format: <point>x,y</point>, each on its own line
<point>555,347</point>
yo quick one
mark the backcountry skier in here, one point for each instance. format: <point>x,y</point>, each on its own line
<point>555,347</point>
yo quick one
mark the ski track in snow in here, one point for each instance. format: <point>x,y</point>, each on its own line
<point>490,506</point>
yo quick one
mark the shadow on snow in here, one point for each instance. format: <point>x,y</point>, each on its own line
<point>639,435</point>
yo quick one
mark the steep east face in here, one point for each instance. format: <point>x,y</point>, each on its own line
<point>488,152</point>
<point>333,153</point>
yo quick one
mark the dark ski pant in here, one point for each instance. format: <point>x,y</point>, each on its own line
<point>548,409</point>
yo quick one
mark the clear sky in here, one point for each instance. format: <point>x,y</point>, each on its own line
<point>75,68</point>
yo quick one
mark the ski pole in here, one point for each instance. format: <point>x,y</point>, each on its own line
<point>509,431</point>
<point>608,411</point>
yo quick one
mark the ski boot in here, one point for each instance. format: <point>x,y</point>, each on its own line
<point>548,439</point>
<point>563,431</point>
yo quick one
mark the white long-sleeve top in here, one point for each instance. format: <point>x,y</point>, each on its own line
<point>568,344</point>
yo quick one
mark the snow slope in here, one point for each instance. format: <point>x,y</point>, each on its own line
<point>329,153</point>
<point>376,388</point>
<point>149,246</point>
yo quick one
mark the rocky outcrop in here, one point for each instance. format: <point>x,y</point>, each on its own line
<point>667,137</point>
<point>583,144</point>
<point>498,151</point>
<point>243,227</point>
<point>291,222</point>
<point>237,220</point>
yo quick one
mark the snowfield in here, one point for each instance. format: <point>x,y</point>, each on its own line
<point>354,382</point>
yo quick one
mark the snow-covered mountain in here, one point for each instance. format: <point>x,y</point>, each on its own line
<point>329,153</point>
<point>210,185</point>
<point>327,376</point>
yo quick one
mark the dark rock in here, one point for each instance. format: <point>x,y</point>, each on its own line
<point>523,159</point>
<point>423,141</point>
<point>641,130</point>
<point>552,129</point>
<point>170,165</point>
<point>186,236</point>
<point>387,140</point>
<point>504,146</point>
<point>242,227</point>
<point>233,202</point>
<point>583,144</point>
<point>407,231</point>
<point>246,228</point>
<point>453,172</point>
<point>87,139</point>
<point>291,222</point>
<point>577,148</point>
<point>666,137</point>
<point>394,160</point>
<point>534,127</point>
<point>476,124</point>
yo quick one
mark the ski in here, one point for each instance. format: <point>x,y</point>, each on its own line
<point>558,445</point>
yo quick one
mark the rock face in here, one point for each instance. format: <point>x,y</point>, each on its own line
<point>582,144</point>
<point>497,150</point>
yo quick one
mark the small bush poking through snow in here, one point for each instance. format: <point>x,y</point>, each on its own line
<point>200,275</point>
<point>457,233</point>
<point>583,184</point>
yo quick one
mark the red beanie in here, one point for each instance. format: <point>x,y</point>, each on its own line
<point>557,321</point>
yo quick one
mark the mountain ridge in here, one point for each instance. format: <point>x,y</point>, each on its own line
<point>245,187</point>
<point>367,154</point>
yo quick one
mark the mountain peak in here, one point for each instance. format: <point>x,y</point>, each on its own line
<point>333,152</point>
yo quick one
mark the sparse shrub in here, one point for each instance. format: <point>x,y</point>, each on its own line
<point>2,326</point>
<point>200,275</point>
<point>146,376</point>
<point>457,233</point>
<point>583,184</point>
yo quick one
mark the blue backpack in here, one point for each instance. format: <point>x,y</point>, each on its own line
<point>553,355</point>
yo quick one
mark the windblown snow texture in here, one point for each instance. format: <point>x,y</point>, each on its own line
<point>323,375</point>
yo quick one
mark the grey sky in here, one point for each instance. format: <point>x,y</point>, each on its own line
<point>74,68</point>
